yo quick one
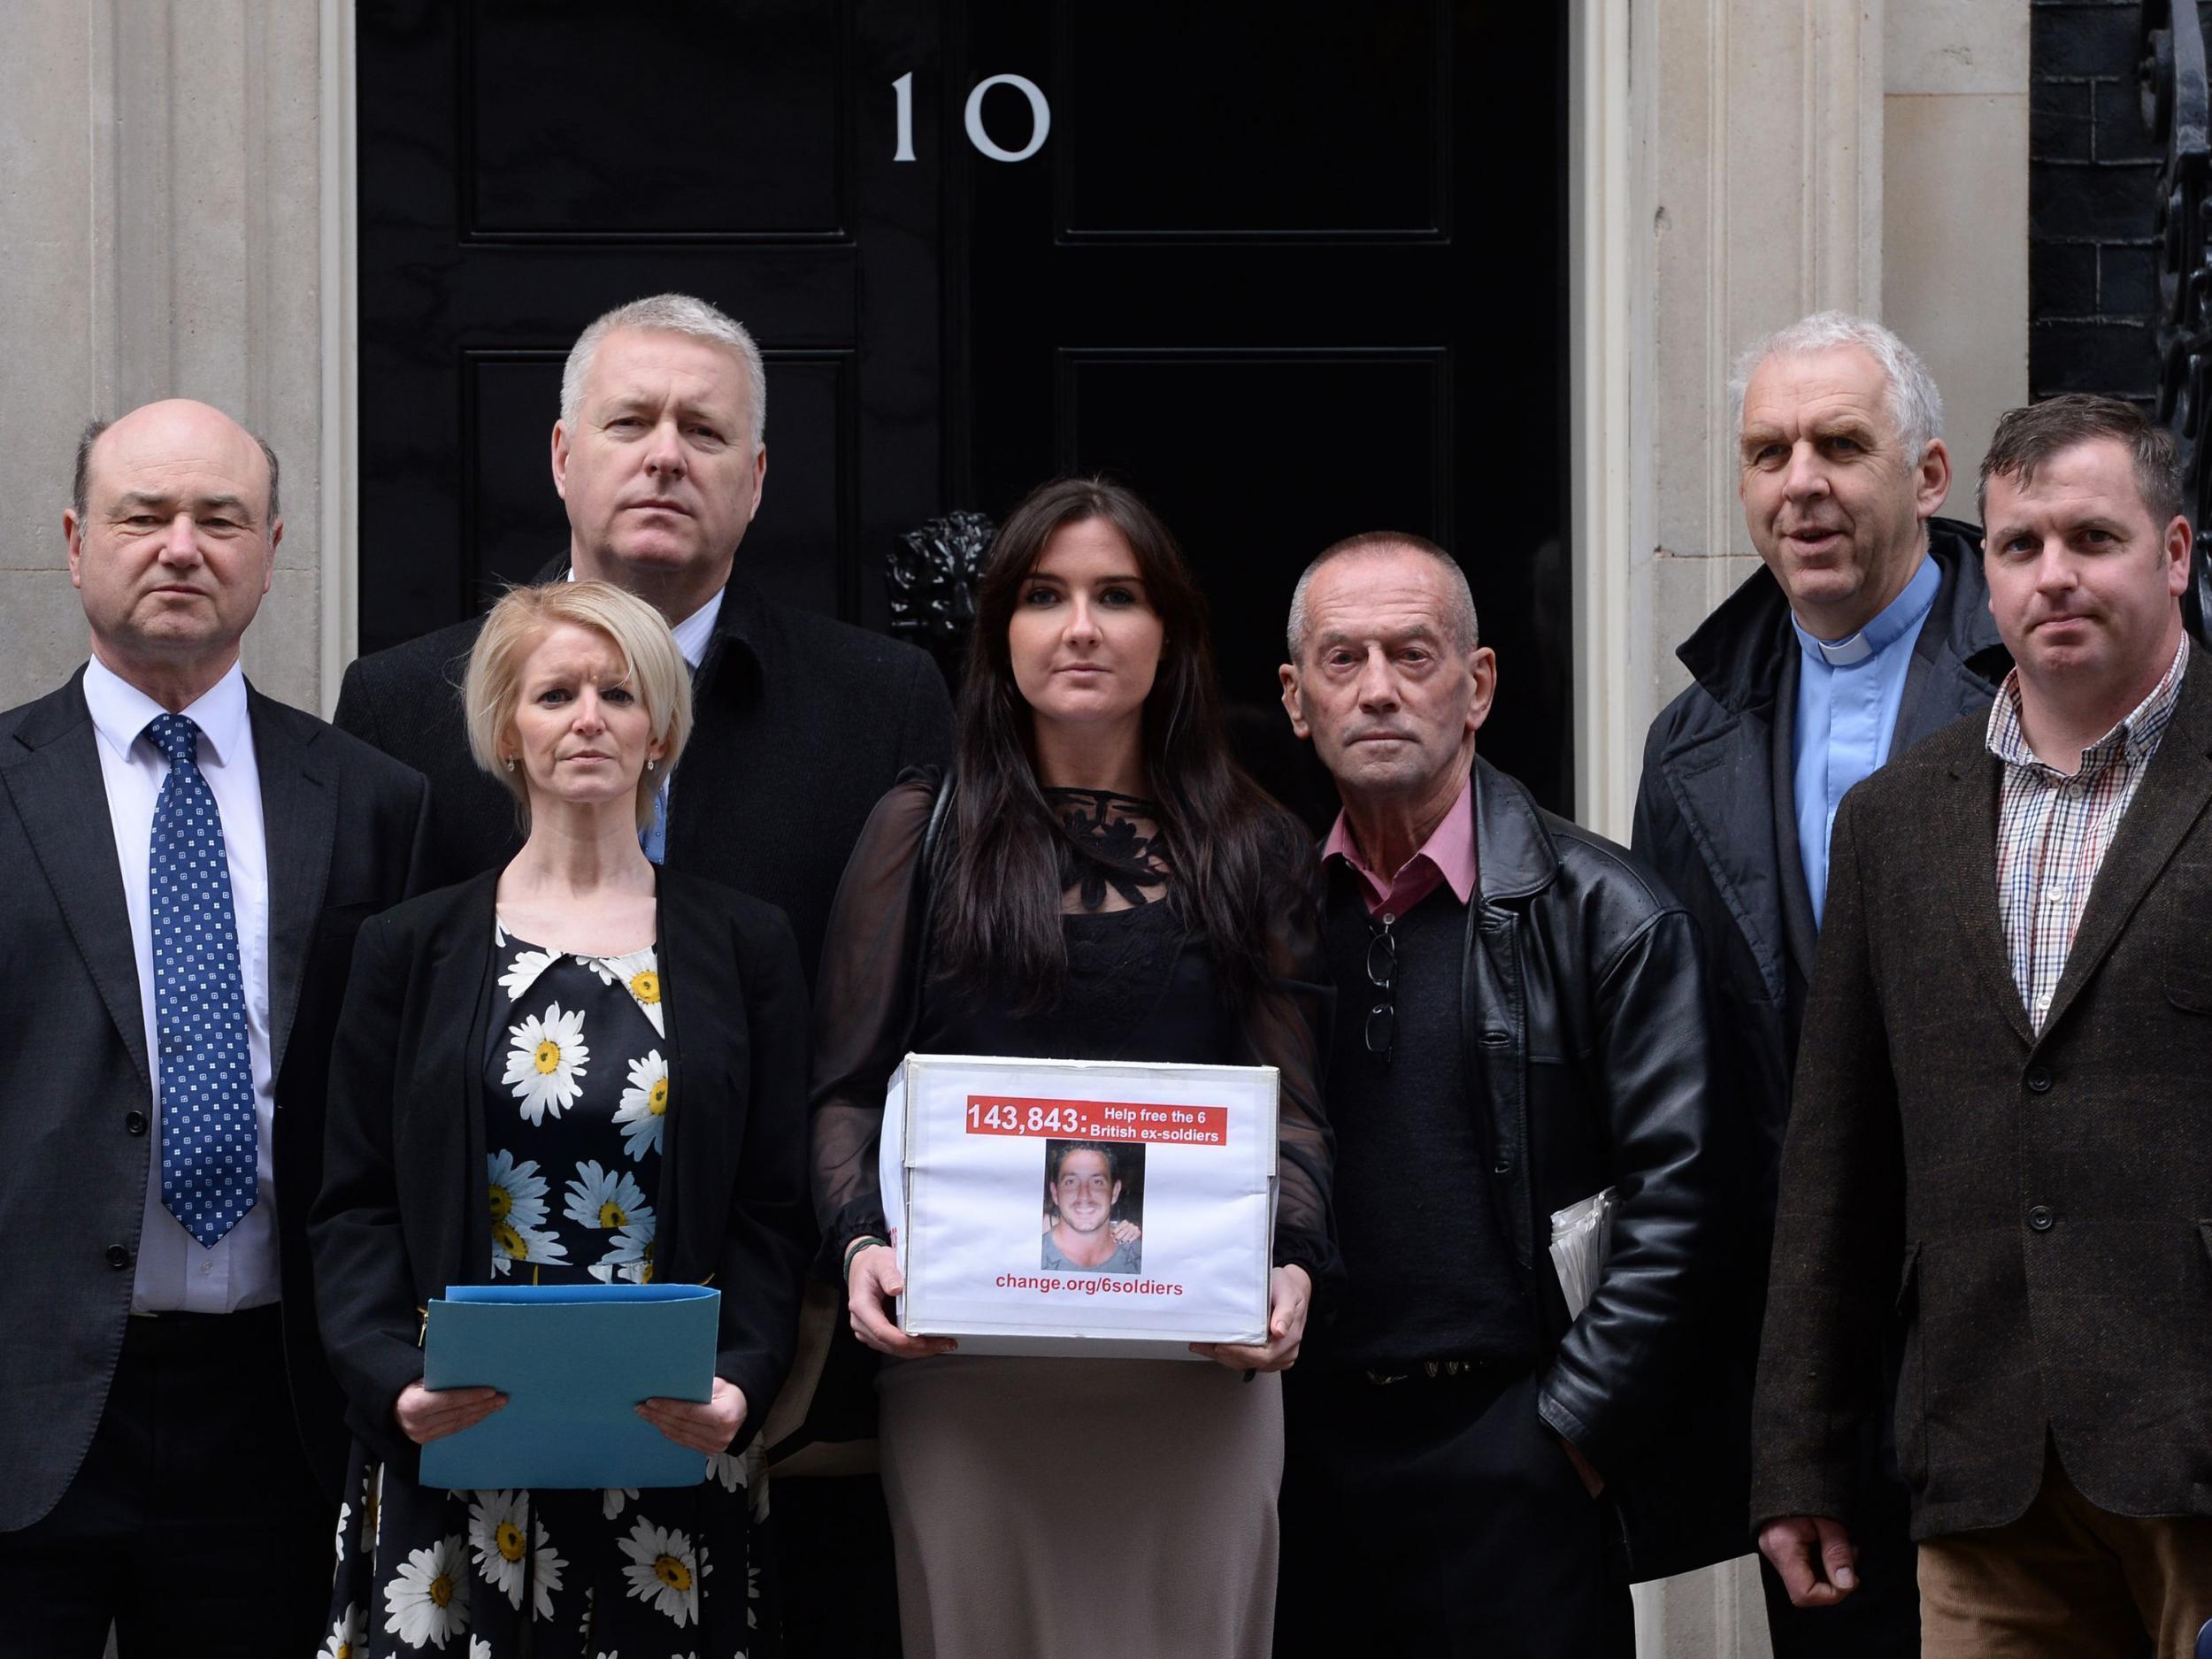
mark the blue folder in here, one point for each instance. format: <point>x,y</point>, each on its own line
<point>573,1360</point>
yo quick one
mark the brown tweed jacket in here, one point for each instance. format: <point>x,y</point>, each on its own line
<point>2038,1209</point>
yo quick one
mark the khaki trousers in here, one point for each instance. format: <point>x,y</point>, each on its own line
<point>2066,1580</point>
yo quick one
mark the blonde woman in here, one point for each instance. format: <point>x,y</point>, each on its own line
<point>579,1067</point>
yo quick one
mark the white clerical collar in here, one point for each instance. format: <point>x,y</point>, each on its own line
<point>121,712</point>
<point>695,632</point>
<point>1898,618</point>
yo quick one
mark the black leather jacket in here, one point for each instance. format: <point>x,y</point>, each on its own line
<point>1586,1038</point>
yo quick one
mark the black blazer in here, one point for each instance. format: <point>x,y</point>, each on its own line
<point>2034,1204</point>
<point>344,827</point>
<point>800,724</point>
<point>403,1212</point>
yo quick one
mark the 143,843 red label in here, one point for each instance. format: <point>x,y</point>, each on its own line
<point>1097,1120</point>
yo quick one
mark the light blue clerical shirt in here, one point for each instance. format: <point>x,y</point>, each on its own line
<point>1848,692</point>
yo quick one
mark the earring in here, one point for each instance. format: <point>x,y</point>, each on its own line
<point>511,763</point>
<point>648,763</point>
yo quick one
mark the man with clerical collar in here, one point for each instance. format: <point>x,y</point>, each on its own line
<point>1998,1141</point>
<point>1520,1024</point>
<point>1866,628</point>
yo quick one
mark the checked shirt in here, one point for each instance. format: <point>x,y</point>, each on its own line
<point>2054,830</point>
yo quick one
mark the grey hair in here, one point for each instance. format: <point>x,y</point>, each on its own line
<point>1916,407</point>
<point>1466,628</point>
<point>81,483</point>
<point>674,314</point>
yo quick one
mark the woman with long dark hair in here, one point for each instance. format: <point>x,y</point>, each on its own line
<point>1108,884</point>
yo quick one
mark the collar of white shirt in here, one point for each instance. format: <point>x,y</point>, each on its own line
<point>694,631</point>
<point>121,712</point>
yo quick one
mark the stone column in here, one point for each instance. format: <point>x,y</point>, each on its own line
<point>161,234</point>
<point>1742,187</point>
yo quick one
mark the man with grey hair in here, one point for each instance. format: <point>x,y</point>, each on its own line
<point>800,724</point>
<point>1520,1022</point>
<point>660,457</point>
<point>1867,629</point>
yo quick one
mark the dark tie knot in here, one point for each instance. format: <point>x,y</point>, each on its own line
<point>178,737</point>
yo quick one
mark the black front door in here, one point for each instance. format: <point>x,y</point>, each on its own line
<point>1291,269</point>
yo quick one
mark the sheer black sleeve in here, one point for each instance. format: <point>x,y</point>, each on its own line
<point>863,1013</point>
<point>1286,1028</point>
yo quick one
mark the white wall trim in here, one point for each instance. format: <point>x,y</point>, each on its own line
<point>338,626</point>
<point>1602,351</point>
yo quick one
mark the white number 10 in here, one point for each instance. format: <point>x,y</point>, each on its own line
<point>1040,118</point>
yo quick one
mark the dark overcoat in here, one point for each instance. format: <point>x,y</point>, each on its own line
<point>1715,814</point>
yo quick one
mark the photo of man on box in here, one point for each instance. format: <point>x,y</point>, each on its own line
<point>1083,1187</point>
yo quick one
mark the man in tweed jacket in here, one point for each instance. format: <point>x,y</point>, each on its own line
<point>2002,1126</point>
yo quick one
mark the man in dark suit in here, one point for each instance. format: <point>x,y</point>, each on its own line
<point>2000,1127</point>
<point>185,864</point>
<point>1866,629</point>
<point>802,722</point>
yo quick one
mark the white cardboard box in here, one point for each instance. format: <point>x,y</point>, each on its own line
<point>991,1256</point>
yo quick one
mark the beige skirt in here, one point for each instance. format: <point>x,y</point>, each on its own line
<point>1051,1507</point>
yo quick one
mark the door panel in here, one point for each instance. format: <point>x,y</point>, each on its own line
<point>1296,270</point>
<point>526,165</point>
<point>702,118</point>
<point>1290,268</point>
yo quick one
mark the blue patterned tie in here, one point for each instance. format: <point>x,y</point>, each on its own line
<point>207,1110</point>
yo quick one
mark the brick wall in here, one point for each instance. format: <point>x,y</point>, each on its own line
<point>2092,192</point>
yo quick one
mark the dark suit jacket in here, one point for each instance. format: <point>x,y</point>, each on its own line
<point>2033,1205</point>
<point>801,724</point>
<point>403,1212</point>
<point>344,827</point>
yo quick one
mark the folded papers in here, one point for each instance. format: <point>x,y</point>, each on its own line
<point>1581,1238</point>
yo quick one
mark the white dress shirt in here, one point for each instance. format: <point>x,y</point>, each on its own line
<point>175,1271</point>
<point>694,632</point>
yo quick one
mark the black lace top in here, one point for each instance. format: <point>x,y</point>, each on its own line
<point>1110,842</point>
<point>1140,987</point>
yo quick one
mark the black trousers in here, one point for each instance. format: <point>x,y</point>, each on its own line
<point>1438,1517</point>
<point>194,1525</point>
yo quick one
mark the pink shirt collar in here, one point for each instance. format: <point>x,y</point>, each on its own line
<point>1446,857</point>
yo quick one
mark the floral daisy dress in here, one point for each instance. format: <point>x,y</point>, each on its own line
<point>576,1092</point>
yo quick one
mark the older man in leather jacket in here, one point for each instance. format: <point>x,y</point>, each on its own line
<point>1521,1024</point>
